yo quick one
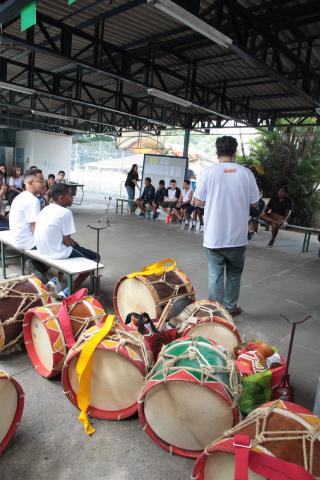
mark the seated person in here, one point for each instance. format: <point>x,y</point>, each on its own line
<point>255,217</point>
<point>277,211</point>
<point>198,213</point>
<point>53,239</point>
<point>61,178</point>
<point>49,183</point>
<point>158,199</point>
<point>15,186</point>
<point>171,197</point>
<point>183,210</point>
<point>147,196</point>
<point>3,188</point>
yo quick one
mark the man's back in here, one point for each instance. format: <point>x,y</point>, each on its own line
<point>228,190</point>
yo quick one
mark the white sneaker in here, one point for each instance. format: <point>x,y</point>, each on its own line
<point>64,293</point>
<point>54,287</point>
<point>201,228</point>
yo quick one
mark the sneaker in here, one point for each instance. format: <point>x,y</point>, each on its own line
<point>201,228</point>
<point>64,293</point>
<point>193,227</point>
<point>235,311</point>
<point>270,244</point>
<point>54,287</point>
<point>250,235</point>
<point>142,214</point>
<point>168,219</point>
<point>186,226</point>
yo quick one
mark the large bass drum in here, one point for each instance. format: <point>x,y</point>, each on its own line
<point>11,408</point>
<point>17,296</point>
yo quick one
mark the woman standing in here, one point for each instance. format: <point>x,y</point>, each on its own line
<point>131,183</point>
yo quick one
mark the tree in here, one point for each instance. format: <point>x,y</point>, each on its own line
<point>290,156</point>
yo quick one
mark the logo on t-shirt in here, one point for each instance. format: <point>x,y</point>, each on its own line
<point>229,170</point>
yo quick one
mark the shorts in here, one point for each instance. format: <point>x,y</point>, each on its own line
<point>169,204</point>
<point>78,251</point>
<point>199,210</point>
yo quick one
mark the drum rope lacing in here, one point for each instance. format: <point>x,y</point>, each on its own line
<point>260,419</point>
<point>189,314</point>
<point>207,371</point>
<point>194,321</point>
<point>176,288</point>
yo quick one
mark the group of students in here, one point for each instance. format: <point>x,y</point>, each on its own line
<point>47,228</point>
<point>177,203</point>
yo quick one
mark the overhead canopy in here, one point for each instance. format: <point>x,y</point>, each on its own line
<point>109,66</point>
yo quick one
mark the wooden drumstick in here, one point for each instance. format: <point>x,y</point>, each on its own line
<point>164,315</point>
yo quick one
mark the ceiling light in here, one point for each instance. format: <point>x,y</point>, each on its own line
<point>58,116</point>
<point>16,88</point>
<point>154,92</point>
<point>195,23</point>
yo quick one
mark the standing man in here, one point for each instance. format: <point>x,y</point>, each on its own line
<point>226,190</point>
<point>277,212</point>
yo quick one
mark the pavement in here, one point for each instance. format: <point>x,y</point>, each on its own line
<point>50,443</point>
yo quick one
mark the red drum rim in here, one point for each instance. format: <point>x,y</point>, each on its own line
<point>19,411</point>
<point>32,354</point>
<point>93,411</point>
<point>149,431</point>
<point>226,445</point>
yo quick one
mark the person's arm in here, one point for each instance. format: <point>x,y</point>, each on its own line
<point>68,241</point>
<point>190,196</point>
<point>200,194</point>
<point>68,228</point>
<point>31,211</point>
<point>166,195</point>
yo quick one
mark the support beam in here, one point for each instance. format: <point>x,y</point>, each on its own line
<point>11,9</point>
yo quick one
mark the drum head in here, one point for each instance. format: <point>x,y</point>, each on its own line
<point>217,332</point>
<point>115,381</point>
<point>8,406</point>
<point>135,296</point>
<point>41,343</point>
<point>186,415</point>
<point>220,465</point>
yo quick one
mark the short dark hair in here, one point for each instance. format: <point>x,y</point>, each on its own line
<point>32,172</point>
<point>34,167</point>
<point>61,171</point>
<point>173,181</point>
<point>226,146</point>
<point>284,188</point>
<point>148,179</point>
<point>186,181</point>
<point>162,182</point>
<point>51,175</point>
<point>58,189</point>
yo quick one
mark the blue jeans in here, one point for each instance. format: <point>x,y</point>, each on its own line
<point>231,261</point>
<point>130,192</point>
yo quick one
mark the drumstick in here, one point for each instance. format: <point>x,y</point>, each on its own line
<point>164,315</point>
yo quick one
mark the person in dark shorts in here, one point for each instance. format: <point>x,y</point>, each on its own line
<point>277,211</point>
<point>147,197</point>
<point>183,209</point>
<point>197,214</point>
<point>52,236</point>
<point>171,198</point>
<point>158,199</point>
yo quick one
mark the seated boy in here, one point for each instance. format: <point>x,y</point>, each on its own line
<point>183,210</point>
<point>198,213</point>
<point>158,199</point>
<point>255,217</point>
<point>147,196</point>
<point>52,236</point>
<point>61,178</point>
<point>171,197</point>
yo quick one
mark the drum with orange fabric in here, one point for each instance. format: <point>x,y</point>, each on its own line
<point>275,439</point>
<point>152,293</point>
<point>120,363</point>
<point>16,297</point>
<point>210,320</point>
<point>46,336</point>
<point>11,408</point>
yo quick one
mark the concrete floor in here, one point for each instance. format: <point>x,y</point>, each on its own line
<point>50,443</point>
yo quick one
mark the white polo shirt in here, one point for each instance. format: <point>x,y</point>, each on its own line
<point>53,223</point>
<point>228,190</point>
<point>24,211</point>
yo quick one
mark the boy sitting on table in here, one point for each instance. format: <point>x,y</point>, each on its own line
<point>147,196</point>
<point>52,236</point>
<point>158,199</point>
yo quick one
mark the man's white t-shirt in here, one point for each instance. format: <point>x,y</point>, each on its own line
<point>24,211</point>
<point>53,223</point>
<point>228,190</point>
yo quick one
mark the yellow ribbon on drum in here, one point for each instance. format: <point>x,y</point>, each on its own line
<point>157,268</point>
<point>83,369</point>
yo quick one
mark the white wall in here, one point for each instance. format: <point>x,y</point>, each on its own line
<point>49,151</point>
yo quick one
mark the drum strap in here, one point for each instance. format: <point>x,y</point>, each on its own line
<point>158,268</point>
<point>64,318</point>
<point>271,468</point>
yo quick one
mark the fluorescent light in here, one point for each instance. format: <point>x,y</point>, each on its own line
<point>183,16</point>
<point>41,113</point>
<point>154,92</point>
<point>16,88</point>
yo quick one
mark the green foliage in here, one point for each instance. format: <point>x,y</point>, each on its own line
<point>290,156</point>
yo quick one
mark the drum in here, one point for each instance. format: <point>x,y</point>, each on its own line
<point>45,335</point>
<point>190,396</point>
<point>120,363</point>
<point>152,293</point>
<point>277,431</point>
<point>198,320</point>
<point>17,296</point>
<point>11,408</point>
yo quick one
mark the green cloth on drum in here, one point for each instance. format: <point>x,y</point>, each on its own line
<point>256,390</point>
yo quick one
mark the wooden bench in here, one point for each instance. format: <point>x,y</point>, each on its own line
<point>69,266</point>
<point>307,234</point>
